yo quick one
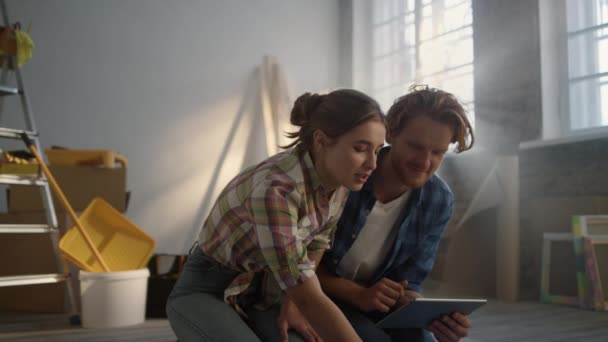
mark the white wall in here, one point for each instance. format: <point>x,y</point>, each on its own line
<point>163,82</point>
<point>554,68</point>
<point>362,45</point>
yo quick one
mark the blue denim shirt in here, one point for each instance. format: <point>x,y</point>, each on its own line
<point>420,225</point>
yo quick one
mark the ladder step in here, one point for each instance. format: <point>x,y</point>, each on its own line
<point>22,179</point>
<point>32,279</point>
<point>4,90</point>
<point>16,133</point>
<point>26,228</point>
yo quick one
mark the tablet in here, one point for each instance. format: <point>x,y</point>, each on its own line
<point>422,311</point>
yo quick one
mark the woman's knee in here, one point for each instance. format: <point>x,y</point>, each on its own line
<point>184,327</point>
<point>202,317</point>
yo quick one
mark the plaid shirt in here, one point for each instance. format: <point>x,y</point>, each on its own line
<point>419,228</point>
<point>268,218</point>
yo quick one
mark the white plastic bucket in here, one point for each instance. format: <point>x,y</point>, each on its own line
<point>113,299</point>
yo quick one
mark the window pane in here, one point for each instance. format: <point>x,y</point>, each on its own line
<point>456,17</point>
<point>427,28</point>
<point>407,64</point>
<point>381,45</point>
<point>385,99</point>
<point>604,95</point>
<point>459,83</point>
<point>432,58</point>
<point>587,54</point>
<point>602,13</point>
<point>380,11</point>
<point>588,103</point>
<point>585,13</point>
<point>460,51</point>
<point>434,81</point>
<point>447,51</point>
<point>602,53</point>
<point>381,72</point>
<point>409,31</point>
<point>444,49</point>
<point>411,5</point>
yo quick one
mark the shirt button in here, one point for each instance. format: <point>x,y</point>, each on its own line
<point>335,261</point>
<point>354,236</point>
<point>366,211</point>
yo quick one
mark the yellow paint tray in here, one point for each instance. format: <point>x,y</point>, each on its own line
<point>121,243</point>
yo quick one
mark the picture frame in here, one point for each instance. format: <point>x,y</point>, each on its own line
<point>586,226</point>
<point>545,293</point>
<point>599,301</point>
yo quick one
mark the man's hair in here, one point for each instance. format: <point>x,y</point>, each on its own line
<point>435,104</point>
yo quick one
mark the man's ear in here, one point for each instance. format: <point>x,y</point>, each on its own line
<point>389,137</point>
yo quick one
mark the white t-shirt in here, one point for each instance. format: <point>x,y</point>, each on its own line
<point>374,241</point>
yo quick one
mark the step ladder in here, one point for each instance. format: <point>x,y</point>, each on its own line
<point>39,180</point>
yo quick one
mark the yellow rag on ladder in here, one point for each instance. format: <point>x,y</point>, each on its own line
<point>25,44</point>
<point>14,42</point>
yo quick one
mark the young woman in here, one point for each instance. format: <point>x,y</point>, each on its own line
<point>265,235</point>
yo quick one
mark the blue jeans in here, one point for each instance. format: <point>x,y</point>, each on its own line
<point>196,309</point>
<point>197,312</point>
<point>364,325</point>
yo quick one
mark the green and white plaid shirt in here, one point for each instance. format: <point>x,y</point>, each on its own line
<point>269,218</point>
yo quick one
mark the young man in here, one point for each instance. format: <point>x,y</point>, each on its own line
<point>389,231</point>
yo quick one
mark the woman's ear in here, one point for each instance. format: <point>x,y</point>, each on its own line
<point>319,139</point>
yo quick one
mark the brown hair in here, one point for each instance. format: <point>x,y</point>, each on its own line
<point>335,114</point>
<point>438,105</point>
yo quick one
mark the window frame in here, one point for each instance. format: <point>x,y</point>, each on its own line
<point>397,21</point>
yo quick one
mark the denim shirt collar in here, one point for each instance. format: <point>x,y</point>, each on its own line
<point>406,236</point>
<point>415,199</point>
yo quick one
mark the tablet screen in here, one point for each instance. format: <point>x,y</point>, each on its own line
<point>421,312</point>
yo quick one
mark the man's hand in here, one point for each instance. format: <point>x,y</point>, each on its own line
<point>450,328</point>
<point>291,318</point>
<point>408,295</point>
<point>382,296</point>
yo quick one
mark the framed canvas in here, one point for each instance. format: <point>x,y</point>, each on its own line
<point>586,226</point>
<point>566,294</point>
<point>597,270</point>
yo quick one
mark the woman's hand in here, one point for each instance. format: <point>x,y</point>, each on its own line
<point>291,318</point>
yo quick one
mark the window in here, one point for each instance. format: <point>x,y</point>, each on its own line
<point>588,63</point>
<point>422,42</point>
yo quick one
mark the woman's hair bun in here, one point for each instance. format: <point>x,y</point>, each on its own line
<point>303,108</point>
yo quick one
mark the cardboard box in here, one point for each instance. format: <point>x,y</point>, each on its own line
<point>33,253</point>
<point>80,184</point>
<point>19,169</point>
<point>25,254</point>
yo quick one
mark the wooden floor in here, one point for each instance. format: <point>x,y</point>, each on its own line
<point>530,321</point>
<point>496,321</point>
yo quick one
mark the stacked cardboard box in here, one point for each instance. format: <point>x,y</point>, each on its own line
<point>33,253</point>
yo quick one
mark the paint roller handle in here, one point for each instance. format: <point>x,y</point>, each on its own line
<point>30,144</point>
